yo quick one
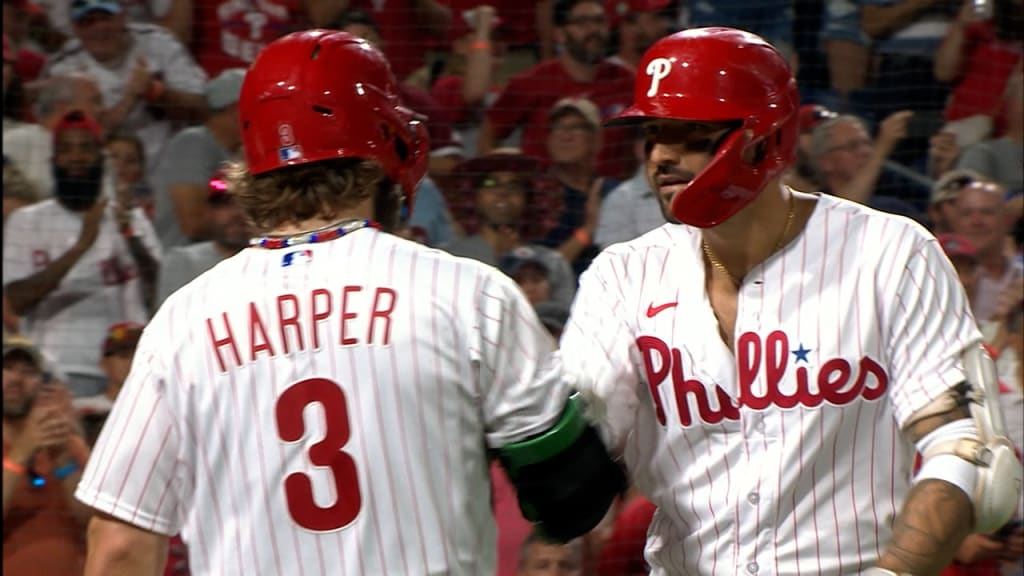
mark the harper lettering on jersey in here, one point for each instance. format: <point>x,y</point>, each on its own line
<point>298,327</point>
<point>836,381</point>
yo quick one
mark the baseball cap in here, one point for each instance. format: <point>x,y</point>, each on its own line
<point>956,245</point>
<point>585,108</point>
<point>521,257</point>
<point>224,90</point>
<point>80,8</point>
<point>122,336</point>
<point>16,343</point>
<point>618,10</point>
<point>810,115</point>
<point>951,183</point>
<point>78,120</point>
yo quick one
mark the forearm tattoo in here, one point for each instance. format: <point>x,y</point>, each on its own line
<point>935,519</point>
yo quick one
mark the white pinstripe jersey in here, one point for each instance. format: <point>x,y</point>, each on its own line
<point>418,359</point>
<point>785,458</point>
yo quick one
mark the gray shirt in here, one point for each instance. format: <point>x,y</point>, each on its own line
<point>1001,160</point>
<point>563,282</point>
<point>191,157</point>
<point>630,211</point>
<point>184,264</point>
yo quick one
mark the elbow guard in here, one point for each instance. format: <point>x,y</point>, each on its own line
<point>565,479</point>
<point>996,481</point>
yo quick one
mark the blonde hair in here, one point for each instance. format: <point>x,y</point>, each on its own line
<point>297,193</point>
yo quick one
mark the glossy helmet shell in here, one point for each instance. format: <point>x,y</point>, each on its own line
<point>318,95</point>
<point>721,75</point>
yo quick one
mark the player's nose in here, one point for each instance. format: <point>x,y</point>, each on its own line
<point>669,154</point>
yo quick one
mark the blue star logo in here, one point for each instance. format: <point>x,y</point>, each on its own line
<point>801,353</point>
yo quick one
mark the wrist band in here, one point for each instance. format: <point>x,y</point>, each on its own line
<point>65,470</point>
<point>581,236</point>
<point>15,467</point>
<point>480,45</point>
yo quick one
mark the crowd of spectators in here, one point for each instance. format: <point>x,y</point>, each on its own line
<point>119,114</point>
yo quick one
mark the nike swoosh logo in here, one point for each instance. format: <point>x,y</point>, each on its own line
<point>653,310</point>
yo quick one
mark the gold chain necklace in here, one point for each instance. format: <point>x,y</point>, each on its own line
<point>717,264</point>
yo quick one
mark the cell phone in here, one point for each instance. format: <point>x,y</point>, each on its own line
<point>1007,529</point>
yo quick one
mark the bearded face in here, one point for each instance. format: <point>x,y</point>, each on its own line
<point>585,34</point>
<point>77,169</point>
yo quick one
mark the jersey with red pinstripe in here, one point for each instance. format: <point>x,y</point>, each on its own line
<point>785,458</point>
<point>327,409</point>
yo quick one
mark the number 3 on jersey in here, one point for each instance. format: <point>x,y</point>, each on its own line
<point>298,488</point>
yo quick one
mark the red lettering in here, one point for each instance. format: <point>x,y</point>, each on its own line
<point>317,315</point>
<point>684,386</point>
<point>383,313</point>
<point>834,380</point>
<point>776,356</point>
<point>803,393</point>
<point>748,364</point>
<point>648,346</point>
<point>219,342</point>
<point>256,328</point>
<point>869,366</point>
<point>346,315</point>
<point>833,376</point>
<point>289,320</point>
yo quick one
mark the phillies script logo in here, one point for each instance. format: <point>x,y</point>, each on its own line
<point>836,381</point>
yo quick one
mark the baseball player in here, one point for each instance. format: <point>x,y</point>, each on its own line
<point>770,361</point>
<point>325,400</point>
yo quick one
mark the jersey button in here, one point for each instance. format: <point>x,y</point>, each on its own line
<point>760,426</point>
<point>753,498</point>
<point>752,567</point>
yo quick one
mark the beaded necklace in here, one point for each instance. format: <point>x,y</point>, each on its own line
<point>323,234</point>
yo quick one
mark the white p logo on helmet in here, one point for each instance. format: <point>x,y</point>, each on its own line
<point>658,69</point>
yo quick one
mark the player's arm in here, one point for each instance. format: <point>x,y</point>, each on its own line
<point>935,519</point>
<point>565,479</point>
<point>944,391</point>
<point>116,548</point>
<point>597,347</point>
<point>134,480</point>
<point>24,294</point>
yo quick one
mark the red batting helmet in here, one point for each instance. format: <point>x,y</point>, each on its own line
<point>319,94</point>
<point>721,75</point>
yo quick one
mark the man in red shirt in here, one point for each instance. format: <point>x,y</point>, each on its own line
<point>580,70</point>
